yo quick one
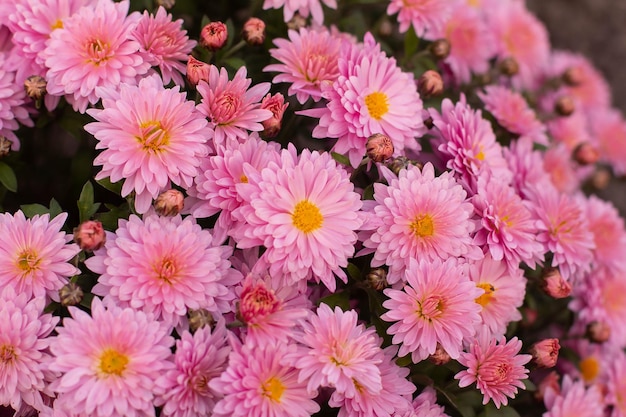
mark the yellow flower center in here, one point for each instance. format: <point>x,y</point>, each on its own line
<point>153,137</point>
<point>485,298</point>
<point>273,389</point>
<point>28,261</point>
<point>377,104</point>
<point>307,217</point>
<point>112,362</point>
<point>97,51</point>
<point>57,24</point>
<point>7,354</point>
<point>243,179</point>
<point>422,226</point>
<point>480,155</point>
<point>589,368</point>
<point>166,270</point>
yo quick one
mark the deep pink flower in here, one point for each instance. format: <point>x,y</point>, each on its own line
<point>424,15</point>
<point>425,405</point>
<point>303,7</point>
<point>574,399</point>
<point>13,105</point>
<point>609,233</point>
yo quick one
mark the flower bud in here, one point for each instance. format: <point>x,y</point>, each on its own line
<point>508,66</point>
<point>197,71</point>
<point>564,106</point>
<point>213,36</point>
<point>440,357</point>
<point>586,154</point>
<point>199,318</point>
<point>428,122</point>
<point>598,332</point>
<point>35,87</point>
<point>376,279</point>
<point>90,235</point>
<point>397,164</point>
<point>167,4</point>
<point>276,104</point>
<point>430,84</point>
<point>601,178</point>
<point>254,31</point>
<point>549,381</point>
<point>386,28</point>
<point>573,76</point>
<point>70,294</point>
<point>545,353</point>
<point>297,22</point>
<point>440,49</point>
<point>379,147</point>
<point>529,316</point>
<point>5,146</point>
<point>554,284</point>
<point>169,203</point>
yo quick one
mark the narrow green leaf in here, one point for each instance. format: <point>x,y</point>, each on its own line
<point>55,209</point>
<point>113,187</point>
<point>7,177</point>
<point>234,62</point>
<point>411,41</point>
<point>342,159</point>
<point>31,210</point>
<point>86,206</point>
<point>341,299</point>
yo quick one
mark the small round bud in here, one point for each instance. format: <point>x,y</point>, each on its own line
<point>386,28</point>
<point>197,71</point>
<point>376,278</point>
<point>379,147</point>
<point>440,357</point>
<point>601,178</point>
<point>440,49</point>
<point>508,66</point>
<point>554,284</point>
<point>428,122</point>
<point>276,104</point>
<point>90,235</point>
<point>549,381</point>
<point>35,87</point>
<point>573,76</point>
<point>484,78</point>
<point>397,164</point>
<point>529,316</point>
<point>167,4</point>
<point>297,22</point>
<point>199,318</point>
<point>169,203</point>
<point>564,106</point>
<point>254,31</point>
<point>545,353</point>
<point>586,154</point>
<point>70,294</point>
<point>213,36</point>
<point>430,84</point>
<point>5,146</point>
<point>598,332</point>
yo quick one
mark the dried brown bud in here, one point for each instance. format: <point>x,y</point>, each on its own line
<point>276,104</point>
<point>376,278</point>
<point>297,22</point>
<point>549,381</point>
<point>554,284</point>
<point>379,147</point>
<point>440,357</point>
<point>586,154</point>
<point>428,122</point>
<point>199,318</point>
<point>397,164</point>
<point>254,31</point>
<point>5,146</point>
<point>573,76</point>
<point>598,332</point>
<point>167,4</point>
<point>430,84</point>
<point>213,36</point>
<point>197,71</point>
<point>440,49</point>
<point>70,294</point>
<point>169,203</point>
<point>564,106</point>
<point>601,178</point>
<point>545,353</point>
<point>90,235</point>
<point>35,87</point>
<point>386,28</point>
<point>508,66</point>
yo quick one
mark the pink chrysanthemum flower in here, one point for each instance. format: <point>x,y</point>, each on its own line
<point>495,367</point>
<point>526,164</point>
<point>617,386</point>
<point>419,216</point>
<point>303,7</point>
<point>231,107</point>
<point>34,254</point>
<point>608,132</point>
<point>164,266</point>
<point>109,361</point>
<point>262,381</point>
<point>436,306</point>
<point>341,353</point>
<point>609,233</point>
<point>372,95</point>
<point>305,211</point>
<point>571,130</point>
<point>561,168</point>
<point>512,112</point>
<point>425,405</point>
<point>423,15</point>
<point>184,391</point>
<point>508,229</point>
<point>24,349</point>
<point>467,144</point>
<point>93,49</point>
<point>13,110</point>
<point>573,400</point>
<point>307,60</point>
<point>151,137</point>
<point>165,44</point>
<point>504,291</point>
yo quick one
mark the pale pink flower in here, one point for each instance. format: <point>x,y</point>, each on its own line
<point>617,386</point>
<point>24,344</point>
<point>496,367</point>
<point>558,163</point>
<point>35,254</point>
<point>305,211</point>
<point>425,405</point>
<point>165,44</point>
<point>150,136</point>
<point>93,49</point>
<point>109,361</point>
<point>573,399</point>
<point>609,233</point>
<point>231,107</point>
<point>504,291</point>
<point>572,130</point>
<point>608,133</point>
<point>436,306</point>
<point>13,105</point>
<point>303,7</point>
<point>424,15</point>
<point>526,164</point>
<point>183,391</point>
<point>262,381</point>
<point>164,266</point>
<point>307,60</point>
<point>419,216</point>
<point>341,353</point>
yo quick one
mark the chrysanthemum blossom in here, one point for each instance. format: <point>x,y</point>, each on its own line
<point>35,254</point>
<point>231,106</point>
<point>496,367</point>
<point>109,361</point>
<point>93,49</point>
<point>13,110</point>
<point>425,405</point>
<point>526,164</point>
<point>341,353</point>
<point>262,381</point>
<point>164,266</point>
<point>304,8</point>
<point>424,15</point>
<point>571,130</point>
<point>609,233</point>
<point>574,399</point>
<point>436,306</point>
<point>150,136</point>
<point>24,350</point>
<point>561,168</point>
<point>617,386</point>
<point>504,291</point>
<point>307,59</point>
<point>183,391</point>
<point>420,216</point>
<point>305,211</point>
<point>165,44</point>
<point>608,133</point>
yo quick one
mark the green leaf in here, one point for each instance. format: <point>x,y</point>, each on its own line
<point>230,27</point>
<point>353,271</point>
<point>113,187</point>
<point>7,177</point>
<point>341,299</point>
<point>55,209</point>
<point>342,159</point>
<point>31,210</point>
<point>235,63</point>
<point>86,206</point>
<point>492,411</point>
<point>411,41</point>
<point>110,219</point>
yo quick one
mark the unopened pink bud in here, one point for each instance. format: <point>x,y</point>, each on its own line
<point>213,36</point>
<point>430,84</point>
<point>169,203</point>
<point>90,235</point>
<point>598,332</point>
<point>197,71</point>
<point>586,154</point>
<point>555,285</point>
<point>546,352</point>
<point>440,357</point>
<point>276,104</point>
<point>254,31</point>
<point>379,147</point>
